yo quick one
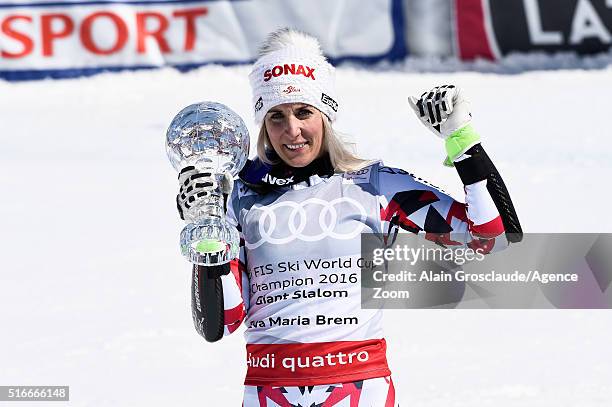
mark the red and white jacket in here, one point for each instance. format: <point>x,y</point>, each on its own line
<point>296,284</point>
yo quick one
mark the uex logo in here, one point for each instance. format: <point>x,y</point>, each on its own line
<point>271,179</point>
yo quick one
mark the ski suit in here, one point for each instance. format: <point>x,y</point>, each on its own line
<point>296,283</point>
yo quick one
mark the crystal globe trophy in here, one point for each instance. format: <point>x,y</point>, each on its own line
<point>212,138</point>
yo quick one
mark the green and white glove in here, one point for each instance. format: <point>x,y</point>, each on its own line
<point>446,113</point>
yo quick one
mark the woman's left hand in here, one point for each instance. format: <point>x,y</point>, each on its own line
<point>443,110</point>
<point>446,113</point>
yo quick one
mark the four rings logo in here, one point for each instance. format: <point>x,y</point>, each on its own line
<point>311,220</point>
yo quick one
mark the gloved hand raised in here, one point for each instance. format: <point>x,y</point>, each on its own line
<point>446,112</point>
<point>197,184</point>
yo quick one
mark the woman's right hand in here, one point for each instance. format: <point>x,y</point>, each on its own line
<point>197,184</point>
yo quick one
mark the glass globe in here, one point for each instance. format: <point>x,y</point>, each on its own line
<point>211,137</point>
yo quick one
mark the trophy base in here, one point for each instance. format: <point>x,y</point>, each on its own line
<point>210,242</point>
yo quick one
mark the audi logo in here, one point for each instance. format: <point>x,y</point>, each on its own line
<point>299,221</point>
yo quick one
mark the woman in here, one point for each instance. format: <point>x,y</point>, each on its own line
<point>301,207</point>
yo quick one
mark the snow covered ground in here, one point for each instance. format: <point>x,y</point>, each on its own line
<point>94,293</point>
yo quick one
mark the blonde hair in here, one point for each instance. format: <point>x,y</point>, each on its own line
<point>339,150</point>
<point>334,144</point>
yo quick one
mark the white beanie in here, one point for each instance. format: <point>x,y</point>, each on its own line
<point>296,73</point>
